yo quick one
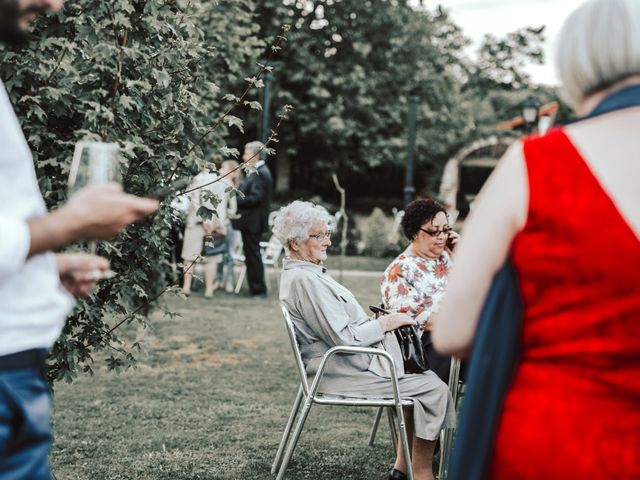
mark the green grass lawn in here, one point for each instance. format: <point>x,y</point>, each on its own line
<point>209,400</point>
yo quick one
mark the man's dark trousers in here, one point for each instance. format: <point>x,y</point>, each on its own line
<point>253,261</point>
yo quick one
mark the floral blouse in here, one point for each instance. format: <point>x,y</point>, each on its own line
<point>415,285</point>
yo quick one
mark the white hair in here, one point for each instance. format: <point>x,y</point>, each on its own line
<point>598,46</point>
<point>254,146</point>
<point>294,221</point>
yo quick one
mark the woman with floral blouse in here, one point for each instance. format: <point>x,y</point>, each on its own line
<point>416,280</point>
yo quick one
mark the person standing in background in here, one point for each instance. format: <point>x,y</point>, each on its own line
<point>205,184</point>
<point>253,207</point>
<point>229,170</point>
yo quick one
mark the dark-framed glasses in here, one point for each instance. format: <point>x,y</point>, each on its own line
<point>321,236</point>
<point>435,233</point>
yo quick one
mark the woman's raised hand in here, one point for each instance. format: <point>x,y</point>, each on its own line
<point>392,321</point>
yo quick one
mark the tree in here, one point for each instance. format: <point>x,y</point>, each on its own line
<point>348,69</point>
<point>501,61</point>
<point>498,83</point>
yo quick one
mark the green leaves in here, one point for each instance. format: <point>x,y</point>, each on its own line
<point>145,74</point>
<point>234,122</point>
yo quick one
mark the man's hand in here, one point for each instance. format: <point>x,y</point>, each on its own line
<point>100,212</point>
<point>78,271</point>
<point>395,320</point>
<point>97,212</point>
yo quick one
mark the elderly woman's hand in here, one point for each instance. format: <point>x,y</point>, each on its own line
<point>395,320</point>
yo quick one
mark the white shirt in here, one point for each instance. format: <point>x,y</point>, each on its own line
<point>205,181</point>
<point>33,304</point>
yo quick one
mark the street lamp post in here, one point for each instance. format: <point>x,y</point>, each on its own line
<point>530,110</point>
<point>409,189</point>
<point>266,104</point>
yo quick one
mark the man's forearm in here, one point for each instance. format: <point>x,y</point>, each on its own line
<point>50,231</point>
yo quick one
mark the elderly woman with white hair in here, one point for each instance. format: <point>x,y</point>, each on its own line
<point>564,207</point>
<point>325,314</point>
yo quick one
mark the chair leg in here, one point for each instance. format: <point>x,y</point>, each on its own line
<point>243,271</point>
<point>374,429</point>
<point>441,467</point>
<point>294,440</point>
<point>446,436</point>
<point>287,431</point>
<point>405,442</point>
<point>392,427</point>
<point>446,445</point>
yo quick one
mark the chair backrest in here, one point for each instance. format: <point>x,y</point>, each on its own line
<point>291,331</point>
<point>272,251</point>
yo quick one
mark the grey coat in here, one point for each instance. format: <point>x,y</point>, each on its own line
<point>325,314</point>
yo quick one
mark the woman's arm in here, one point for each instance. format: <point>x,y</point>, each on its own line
<point>326,314</point>
<point>499,212</point>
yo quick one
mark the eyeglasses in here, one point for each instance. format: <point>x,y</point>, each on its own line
<point>321,236</point>
<point>435,233</point>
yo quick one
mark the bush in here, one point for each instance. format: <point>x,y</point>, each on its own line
<point>375,234</point>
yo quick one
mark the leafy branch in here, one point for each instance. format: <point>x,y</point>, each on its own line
<point>237,101</point>
<point>272,139</point>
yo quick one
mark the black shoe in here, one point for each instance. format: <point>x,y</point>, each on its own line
<point>397,475</point>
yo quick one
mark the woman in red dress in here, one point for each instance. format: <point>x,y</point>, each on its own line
<point>566,208</point>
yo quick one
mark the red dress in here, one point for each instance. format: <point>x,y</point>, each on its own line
<point>573,411</point>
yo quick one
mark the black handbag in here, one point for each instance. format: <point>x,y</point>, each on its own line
<point>413,354</point>
<point>214,244</point>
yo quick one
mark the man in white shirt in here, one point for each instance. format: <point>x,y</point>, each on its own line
<point>36,286</point>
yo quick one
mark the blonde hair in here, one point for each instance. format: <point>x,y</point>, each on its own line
<point>598,46</point>
<point>231,165</point>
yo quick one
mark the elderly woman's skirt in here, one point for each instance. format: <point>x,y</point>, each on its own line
<point>433,406</point>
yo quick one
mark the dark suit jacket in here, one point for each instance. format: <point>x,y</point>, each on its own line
<point>255,205</point>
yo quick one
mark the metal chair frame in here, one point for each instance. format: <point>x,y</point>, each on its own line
<point>446,434</point>
<point>311,396</point>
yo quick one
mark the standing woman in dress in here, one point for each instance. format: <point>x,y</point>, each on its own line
<point>565,208</point>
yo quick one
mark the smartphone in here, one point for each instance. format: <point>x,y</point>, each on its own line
<point>163,192</point>
<point>379,310</point>
<point>450,243</point>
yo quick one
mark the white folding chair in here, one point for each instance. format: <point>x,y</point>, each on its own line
<point>311,396</point>
<point>270,252</point>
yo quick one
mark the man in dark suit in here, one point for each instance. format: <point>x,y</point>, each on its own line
<point>253,207</point>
